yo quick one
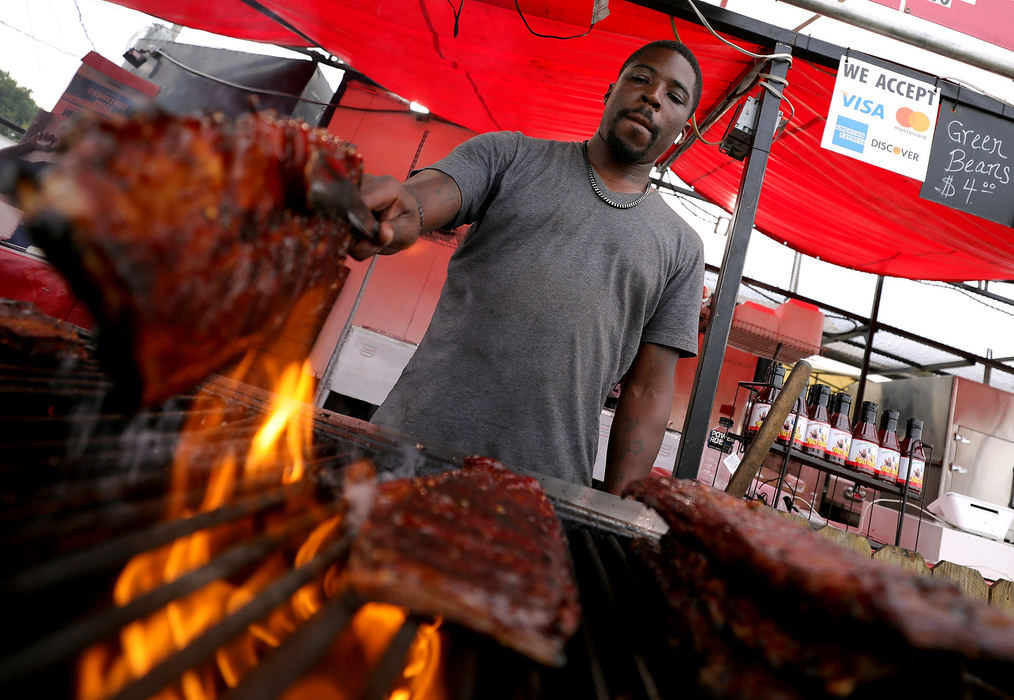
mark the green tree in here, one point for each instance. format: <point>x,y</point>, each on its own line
<point>16,105</point>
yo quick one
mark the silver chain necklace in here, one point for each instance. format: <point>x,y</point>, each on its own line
<point>602,196</point>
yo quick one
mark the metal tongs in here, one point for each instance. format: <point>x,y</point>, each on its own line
<point>338,199</point>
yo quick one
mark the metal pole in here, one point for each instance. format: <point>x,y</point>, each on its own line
<point>702,396</point>
<point>324,385</point>
<point>865,369</point>
<point>896,25</point>
<point>328,114</point>
<point>12,126</point>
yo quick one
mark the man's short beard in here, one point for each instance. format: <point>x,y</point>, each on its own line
<point>624,152</point>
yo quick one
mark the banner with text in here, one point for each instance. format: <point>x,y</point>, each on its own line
<point>100,88</point>
<point>989,20</point>
<point>881,117</point>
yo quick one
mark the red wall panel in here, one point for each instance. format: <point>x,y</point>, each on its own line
<point>403,289</point>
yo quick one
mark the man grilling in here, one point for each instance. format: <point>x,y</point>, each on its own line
<point>575,273</point>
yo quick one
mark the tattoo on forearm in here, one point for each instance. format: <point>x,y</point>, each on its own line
<point>631,447</point>
<point>625,443</point>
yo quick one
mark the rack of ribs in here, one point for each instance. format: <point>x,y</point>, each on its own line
<point>26,332</point>
<point>191,239</point>
<point>748,589</point>
<point>480,546</point>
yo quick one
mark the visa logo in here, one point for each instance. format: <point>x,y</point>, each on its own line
<point>874,109</point>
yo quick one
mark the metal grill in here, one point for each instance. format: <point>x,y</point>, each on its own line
<point>85,490</point>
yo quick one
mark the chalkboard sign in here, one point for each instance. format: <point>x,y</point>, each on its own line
<point>971,165</point>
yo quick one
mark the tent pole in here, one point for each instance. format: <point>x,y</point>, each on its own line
<point>872,331</point>
<point>702,396</point>
<point>933,37</point>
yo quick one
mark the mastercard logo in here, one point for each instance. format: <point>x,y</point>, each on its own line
<point>913,120</point>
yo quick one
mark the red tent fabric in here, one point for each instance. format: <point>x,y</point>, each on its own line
<point>496,74</point>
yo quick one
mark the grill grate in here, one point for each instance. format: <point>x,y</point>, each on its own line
<point>86,489</point>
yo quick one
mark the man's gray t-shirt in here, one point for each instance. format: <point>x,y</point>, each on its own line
<point>546,302</point>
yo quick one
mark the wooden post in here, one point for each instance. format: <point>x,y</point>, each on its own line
<point>969,580</point>
<point>905,558</point>
<point>795,519</point>
<point>1001,595</point>
<point>765,437</point>
<point>849,540</point>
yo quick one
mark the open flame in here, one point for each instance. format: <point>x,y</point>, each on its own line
<point>289,427</point>
<point>279,449</point>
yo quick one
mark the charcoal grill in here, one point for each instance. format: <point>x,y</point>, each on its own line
<point>86,489</point>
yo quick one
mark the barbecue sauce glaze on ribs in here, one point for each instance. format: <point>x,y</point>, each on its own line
<point>769,609</point>
<point>190,238</point>
<point>27,334</point>
<point>480,546</point>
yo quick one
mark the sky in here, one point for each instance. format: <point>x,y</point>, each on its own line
<point>41,42</point>
<point>65,30</point>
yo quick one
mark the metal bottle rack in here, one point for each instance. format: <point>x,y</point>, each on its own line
<point>717,442</point>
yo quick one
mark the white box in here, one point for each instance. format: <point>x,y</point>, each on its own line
<point>369,364</point>
<point>936,542</point>
<point>973,515</point>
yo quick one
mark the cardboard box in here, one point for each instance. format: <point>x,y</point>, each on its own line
<point>100,88</point>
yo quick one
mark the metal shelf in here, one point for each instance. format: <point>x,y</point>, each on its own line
<point>845,472</point>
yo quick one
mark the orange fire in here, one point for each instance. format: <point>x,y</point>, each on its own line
<point>342,674</point>
<point>279,448</point>
<point>289,427</point>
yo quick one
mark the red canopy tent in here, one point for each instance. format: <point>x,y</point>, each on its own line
<point>496,74</point>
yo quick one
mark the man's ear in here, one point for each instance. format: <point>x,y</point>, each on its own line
<point>685,133</point>
<point>609,91</point>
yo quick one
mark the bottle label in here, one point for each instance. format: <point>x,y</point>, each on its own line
<point>786,429</point>
<point>863,456</point>
<point>918,467</point>
<point>817,434</point>
<point>799,438</point>
<point>838,442</point>
<point>758,414</point>
<point>887,464</point>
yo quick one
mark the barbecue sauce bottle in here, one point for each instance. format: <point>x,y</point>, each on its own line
<point>889,453</point>
<point>839,437</point>
<point>765,398</point>
<point>818,427</point>
<point>799,438</point>
<point>797,419</point>
<point>913,459</point>
<point>865,443</point>
<point>811,398</point>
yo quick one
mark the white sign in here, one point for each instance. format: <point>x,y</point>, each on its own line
<point>369,364</point>
<point>882,118</point>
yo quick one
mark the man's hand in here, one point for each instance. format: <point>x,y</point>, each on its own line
<point>397,215</point>
<point>398,206</point>
<point>43,141</point>
<point>642,414</point>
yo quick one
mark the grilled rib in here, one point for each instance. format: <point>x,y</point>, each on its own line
<point>480,546</point>
<point>832,621</point>
<point>190,238</point>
